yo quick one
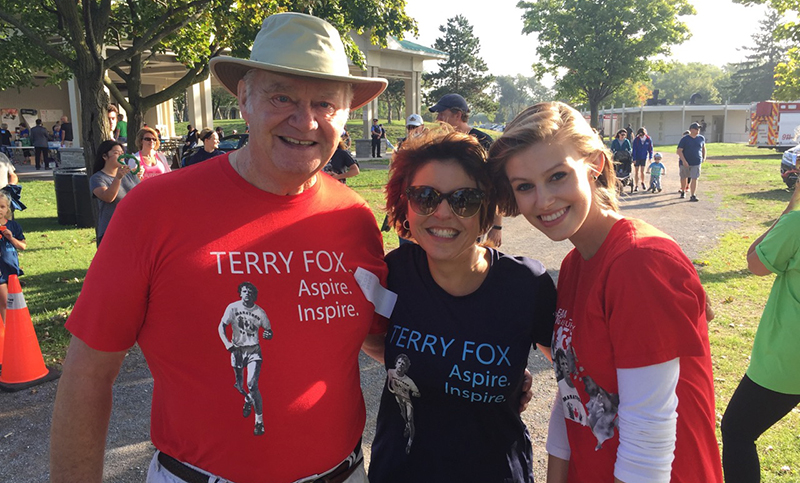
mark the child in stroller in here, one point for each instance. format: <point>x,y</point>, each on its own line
<point>656,169</point>
<point>623,162</point>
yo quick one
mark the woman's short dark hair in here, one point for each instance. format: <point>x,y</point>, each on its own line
<point>621,131</point>
<point>102,150</point>
<point>443,145</point>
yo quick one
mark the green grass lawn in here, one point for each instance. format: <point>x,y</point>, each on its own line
<point>753,195</point>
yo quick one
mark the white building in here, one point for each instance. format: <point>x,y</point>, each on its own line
<point>728,123</point>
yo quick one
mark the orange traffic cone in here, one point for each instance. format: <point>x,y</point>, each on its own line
<point>23,362</point>
<point>2,338</point>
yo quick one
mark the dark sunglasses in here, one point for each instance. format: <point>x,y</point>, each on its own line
<point>464,202</point>
<point>152,140</point>
<point>409,127</point>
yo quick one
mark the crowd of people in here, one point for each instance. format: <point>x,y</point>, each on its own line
<point>452,318</point>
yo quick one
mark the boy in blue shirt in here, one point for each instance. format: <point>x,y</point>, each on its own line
<point>656,169</point>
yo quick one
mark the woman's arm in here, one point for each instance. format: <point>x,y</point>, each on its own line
<point>374,347</point>
<point>754,263</point>
<point>109,193</point>
<point>648,421</point>
<point>558,451</point>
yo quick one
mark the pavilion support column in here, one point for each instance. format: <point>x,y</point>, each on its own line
<point>198,102</point>
<point>413,101</point>
<point>74,111</point>
<point>370,110</point>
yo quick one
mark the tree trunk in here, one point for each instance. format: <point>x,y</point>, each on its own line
<point>594,109</point>
<point>94,102</point>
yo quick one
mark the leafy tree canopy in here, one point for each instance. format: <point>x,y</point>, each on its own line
<point>514,94</point>
<point>787,73</point>
<point>593,48</point>
<point>464,72</point>
<point>88,38</point>
<point>679,82</point>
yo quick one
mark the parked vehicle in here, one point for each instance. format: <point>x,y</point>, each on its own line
<point>774,124</point>
<point>228,143</point>
<point>789,166</point>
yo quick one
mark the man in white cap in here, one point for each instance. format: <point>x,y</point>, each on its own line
<point>260,215</point>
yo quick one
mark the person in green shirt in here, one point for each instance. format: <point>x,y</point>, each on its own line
<point>121,133</point>
<point>770,388</point>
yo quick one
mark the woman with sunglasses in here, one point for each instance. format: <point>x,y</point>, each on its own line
<point>640,404</point>
<point>153,163</point>
<point>210,149</point>
<point>462,327</point>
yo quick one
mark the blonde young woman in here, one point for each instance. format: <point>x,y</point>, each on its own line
<point>153,162</point>
<point>640,406</point>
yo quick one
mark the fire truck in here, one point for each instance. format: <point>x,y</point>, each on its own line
<point>775,124</point>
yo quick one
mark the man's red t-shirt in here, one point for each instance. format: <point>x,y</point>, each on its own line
<point>171,262</point>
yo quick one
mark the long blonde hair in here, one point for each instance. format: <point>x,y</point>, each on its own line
<point>551,123</point>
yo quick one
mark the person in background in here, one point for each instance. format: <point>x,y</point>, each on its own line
<point>66,132</point>
<point>5,140</point>
<point>39,140</point>
<point>210,141</point>
<point>414,127</point>
<point>57,133</point>
<point>113,114</point>
<point>376,133</point>
<point>656,169</point>
<point>452,109</point>
<point>433,424</point>
<point>153,163</point>
<point>342,165</point>
<point>652,368</point>
<point>220,132</point>
<point>691,154</point>
<point>122,129</point>
<point>770,388</point>
<point>191,137</point>
<point>110,183</point>
<point>8,173</point>
<point>13,240</point>
<point>641,151</point>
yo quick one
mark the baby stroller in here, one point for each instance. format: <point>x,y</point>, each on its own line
<point>623,166</point>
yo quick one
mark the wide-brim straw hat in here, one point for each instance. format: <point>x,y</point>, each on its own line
<point>298,44</point>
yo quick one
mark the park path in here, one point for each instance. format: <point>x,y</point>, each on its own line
<point>25,416</point>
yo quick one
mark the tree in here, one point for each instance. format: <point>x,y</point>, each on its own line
<point>787,73</point>
<point>631,94</point>
<point>680,81</point>
<point>222,101</point>
<point>395,98</point>
<point>88,38</point>
<point>753,79</point>
<point>464,72</point>
<point>593,48</point>
<point>514,94</point>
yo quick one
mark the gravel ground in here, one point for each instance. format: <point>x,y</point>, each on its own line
<point>25,416</point>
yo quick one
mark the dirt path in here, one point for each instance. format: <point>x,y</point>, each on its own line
<point>25,416</point>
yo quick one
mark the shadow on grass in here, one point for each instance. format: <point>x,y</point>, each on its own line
<point>745,156</point>
<point>707,277</point>
<point>770,195</point>
<point>52,290</point>
<point>39,224</point>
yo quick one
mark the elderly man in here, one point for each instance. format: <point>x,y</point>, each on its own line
<point>296,236</point>
<point>453,110</point>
